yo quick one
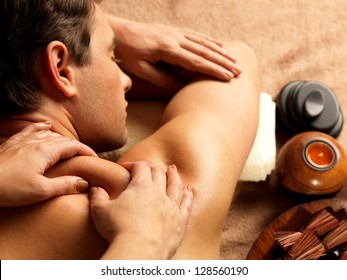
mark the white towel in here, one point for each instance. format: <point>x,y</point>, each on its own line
<point>262,158</point>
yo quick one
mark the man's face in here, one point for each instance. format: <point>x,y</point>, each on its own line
<point>100,115</point>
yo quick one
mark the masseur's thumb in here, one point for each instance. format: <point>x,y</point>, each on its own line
<point>66,185</point>
<point>98,196</point>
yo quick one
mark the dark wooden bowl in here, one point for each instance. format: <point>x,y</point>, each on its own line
<point>303,174</point>
<point>265,247</point>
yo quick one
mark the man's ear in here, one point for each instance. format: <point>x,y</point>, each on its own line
<point>60,71</point>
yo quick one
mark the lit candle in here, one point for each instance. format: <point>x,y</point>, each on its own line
<point>320,155</point>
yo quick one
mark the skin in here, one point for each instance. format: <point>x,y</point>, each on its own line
<point>158,219</point>
<point>202,132</point>
<point>146,50</point>
<point>45,149</point>
<point>161,194</point>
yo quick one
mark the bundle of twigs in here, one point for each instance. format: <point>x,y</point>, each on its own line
<point>322,233</point>
<point>336,237</point>
<point>286,239</point>
<point>307,247</point>
<point>322,222</point>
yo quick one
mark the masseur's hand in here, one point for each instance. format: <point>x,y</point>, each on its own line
<point>26,156</point>
<point>148,219</point>
<point>141,47</point>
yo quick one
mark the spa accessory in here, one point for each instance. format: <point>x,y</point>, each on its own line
<point>322,236</point>
<point>309,106</point>
<point>326,218</point>
<point>262,158</point>
<point>321,223</point>
<point>312,163</point>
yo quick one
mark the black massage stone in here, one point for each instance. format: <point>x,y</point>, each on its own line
<point>309,106</point>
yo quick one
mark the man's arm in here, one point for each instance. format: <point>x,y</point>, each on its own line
<point>208,130</point>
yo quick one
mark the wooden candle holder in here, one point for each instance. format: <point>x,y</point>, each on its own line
<point>312,163</point>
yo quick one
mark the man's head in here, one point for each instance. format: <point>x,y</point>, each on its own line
<point>58,54</point>
<point>27,27</point>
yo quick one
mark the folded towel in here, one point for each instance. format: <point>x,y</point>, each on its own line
<point>262,158</point>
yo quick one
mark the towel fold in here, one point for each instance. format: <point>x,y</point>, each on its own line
<point>262,158</point>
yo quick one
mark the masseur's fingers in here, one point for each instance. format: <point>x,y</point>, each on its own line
<point>209,43</point>
<point>175,187</point>
<point>28,155</point>
<point>63,148</point>
<point>186,203</point>
<point>104,213</point>
<point>198,58</point>
<point>50,187</point>
<point>34,127</point>
<point>29,132</point>
<point>145,171</point>
<point>51,145</point>
<point>158,176</point>
<point>199,54</point>
<point>140,171</point>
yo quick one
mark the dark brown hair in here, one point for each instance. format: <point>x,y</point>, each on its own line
<point>26,28</point>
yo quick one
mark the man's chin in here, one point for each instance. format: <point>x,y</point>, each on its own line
<point>111,145</point>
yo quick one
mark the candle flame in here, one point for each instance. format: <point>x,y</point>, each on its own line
<point>320,155</point>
